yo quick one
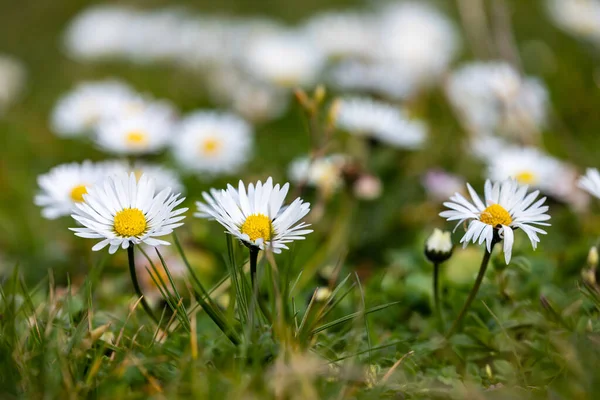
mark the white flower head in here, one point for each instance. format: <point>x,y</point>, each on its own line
<point>492,97</point>
<point>145,132</point>
<point>590,182</point>
<point>530,166</point>
<point>381,121</point>
<point>282,58</point>
<point>122,210</point>
<point>418,39</point>
<point>79,111</point>
<point>64,186</point>
<point>579,17</point>
<point>256,215</point>
<point>213,143</point>
<point>12,81</point>
<point>507,207</point>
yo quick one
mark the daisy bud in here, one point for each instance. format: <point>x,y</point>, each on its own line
<point>592,259</point>
<point>320,94</point>
<point>438,247</point>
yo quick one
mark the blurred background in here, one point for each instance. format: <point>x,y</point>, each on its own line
<point>248,58</point>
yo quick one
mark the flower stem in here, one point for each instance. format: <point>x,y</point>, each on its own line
<point>136,285</point>
<point>253,261</point>
<point>484,263</point>
<point>436,293</point>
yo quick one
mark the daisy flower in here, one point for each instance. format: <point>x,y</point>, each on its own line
<point>122,210</point>
<point>507,207</point>
<point>256,215</point>
<point>212,143</point>
<point>580,18</point>
<point>281,58</point>
<point>12,81</point>
<point>79,111</point>
<point>147,131</point>
<point>590,182</point>
<point>64,186</point>
<point>381,121</point>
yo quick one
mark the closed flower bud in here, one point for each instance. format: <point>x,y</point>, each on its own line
<point>438,247</point>
<point>592,258</point>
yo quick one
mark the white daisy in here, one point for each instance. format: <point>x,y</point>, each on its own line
<point>212,143</point>
<point>579,17</point>
<point>256,216</point>
<point>530,166</point>
<point>122,210</point>
<point>590,182</point>
<point>391,125</point>
<point>64,185</point>
<point>148,131</point>
<point>79,111</point>
<point>507,207</point>
<point>12,81</point>
<point>282,58</point>
<point>342,34</point>
<point>419,40</point>
<point>492,97</point>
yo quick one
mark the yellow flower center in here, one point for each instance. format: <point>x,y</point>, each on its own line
<point>130,222</point>
<point>526,177</point>
<point>210,146</point>
<point>78,192</point>
<point>136,138</point>
<point>495,215</point>
<point>257,226</point>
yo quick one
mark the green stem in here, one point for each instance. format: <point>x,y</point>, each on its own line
<point>253,261</point>
<point>136,285</point>
<point>436,293</point>
<point>484,263</point>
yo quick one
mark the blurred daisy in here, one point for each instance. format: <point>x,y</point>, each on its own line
<point>530,166</point>
<point>12,81</point>
<point>381,121</point>
<point>213,143</point>
<point>590,182</point>
<point>324,173</point>
<point>342,34</point>
<point>492,97</point>
<point>64,186</point>
<point>80,110</point>
<point>282,58</point>
<point>419,40</point>
<point>147,131</point>
<point>507,207</point>
<point>579,17</point>
<point>122,211</point>
<point>256,216</point>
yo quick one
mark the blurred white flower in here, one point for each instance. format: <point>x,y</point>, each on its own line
<point>324,173</point>
<point>147,131</point>
<point>381,121</point>
<point>439,184</point>
<point>491,97</point>
<point>530,166</point>
<point>12,81</point>
<point>212,143</point>
<point>79,111</point>
<point>590,182</point>
<point>283,58</point>
<point>419,40</point>
<point>163,177</point>
<point>99,32</point>
<point>123,211</point>
<point>578,17</point>
<point>342,34</point>
<point>65,185</point>
<point>256,216</point>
